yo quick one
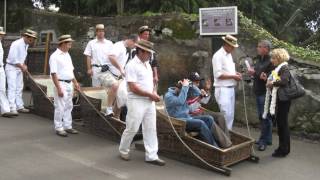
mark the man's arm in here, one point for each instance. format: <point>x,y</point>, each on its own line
<point>137,90</point>
<point>115,63</point>
<point>57,84</point>
<point>76,84</point>
<point>89,67</point>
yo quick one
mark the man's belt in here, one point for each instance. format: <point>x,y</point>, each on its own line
<point>96,65</point>
<point>67,81</point>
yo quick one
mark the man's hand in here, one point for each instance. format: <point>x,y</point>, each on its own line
<point>263,76</point>
<point>24,68</point>
<point>123,74</point>
<point>185,82</point>
<point>90,72</point>
<point>60,93</point>
<point>155,80</point>
<point>251,71</point>
<point>155,97</point>
<point>77,86</point>
<point>237,77</point>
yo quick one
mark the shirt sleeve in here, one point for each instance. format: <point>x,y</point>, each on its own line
<point>13,54</point>
<point>131,75</point>
<point>53,65</point>
<point>115,51</point>
<point>217,66</point>
<point>154,61</point>
<point>88,50</point>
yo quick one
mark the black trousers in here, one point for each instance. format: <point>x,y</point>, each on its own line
<point>283,108</point>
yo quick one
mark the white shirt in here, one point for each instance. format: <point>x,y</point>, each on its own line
<point>141,74</point>
<point>1,54</point>
<point>222,63</point>
<point>60,63</point>
<point>119,50</point>
<point>18,52</point>
<point>98,51</point>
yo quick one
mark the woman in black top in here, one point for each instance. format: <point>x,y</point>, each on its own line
<point>279,57</point>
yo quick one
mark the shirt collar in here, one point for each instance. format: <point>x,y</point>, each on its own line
<point>60,52</point>
<point>103,41</point>
<point>224,51</point>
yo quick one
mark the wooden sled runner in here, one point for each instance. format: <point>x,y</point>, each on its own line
<point>42,89</point>
<point>221,159</point>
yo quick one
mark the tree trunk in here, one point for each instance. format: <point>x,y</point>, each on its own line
<point>120,6</point>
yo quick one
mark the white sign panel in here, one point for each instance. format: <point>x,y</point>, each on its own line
<point>218,20</point>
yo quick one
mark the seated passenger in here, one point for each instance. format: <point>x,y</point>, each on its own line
<point>200,94</point>
<point>176,103</point>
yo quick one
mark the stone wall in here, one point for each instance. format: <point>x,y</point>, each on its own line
<point>180,50</point>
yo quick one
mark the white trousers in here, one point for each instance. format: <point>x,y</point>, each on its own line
<point>141,111</point>
<point>4,103</point>
<point>225,98</point>
<point>63,107</point>
<point>15,87</point>
<point>95,77</point>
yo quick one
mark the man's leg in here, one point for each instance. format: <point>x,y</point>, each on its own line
<point>149,130</point>
<point>67,116</point>
<point>226,99</point>
<point>4,103</point>
<point>19,89</point>
<point>59,107</point>
<point>11,91</point>
<point>200,126</point>
<point>133,120</point>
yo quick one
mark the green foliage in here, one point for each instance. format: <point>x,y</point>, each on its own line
<point>182,29</point>
<point>253,31</point>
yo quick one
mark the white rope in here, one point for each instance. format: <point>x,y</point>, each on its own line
<point>246,114</point>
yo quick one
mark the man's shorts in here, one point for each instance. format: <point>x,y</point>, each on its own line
<point>107,79</point>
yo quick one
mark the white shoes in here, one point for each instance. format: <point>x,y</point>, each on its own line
<point>109,111</point>
<point>23,110</point>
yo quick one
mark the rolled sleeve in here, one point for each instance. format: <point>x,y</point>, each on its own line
<point>217,67</point>
<point>131,75</point>
<point>88,50</point>
<point>53,65</point>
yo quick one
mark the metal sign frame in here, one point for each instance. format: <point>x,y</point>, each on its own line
<point>224,20</point>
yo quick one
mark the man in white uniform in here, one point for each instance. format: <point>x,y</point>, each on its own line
<point>141,105</point>
<point>61,70</point>
<point>97,54</point>
<point>15,68</point>
<point>118,58</point>
<point>4,103</point>
<point>225,78</point>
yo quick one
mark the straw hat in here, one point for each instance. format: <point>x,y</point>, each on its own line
<point>143,29</point>
<point>30,33</point>
<point>145,45</point>
<point>232,41</point>
<point>100,26</point>
<point>1,31</point>
<point>65,38</point>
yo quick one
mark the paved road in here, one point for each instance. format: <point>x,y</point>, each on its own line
<point>29,150</point>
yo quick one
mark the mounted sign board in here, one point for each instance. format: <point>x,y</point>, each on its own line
<point>218,20</point>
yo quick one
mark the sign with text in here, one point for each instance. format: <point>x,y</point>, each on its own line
<point>218,20</point>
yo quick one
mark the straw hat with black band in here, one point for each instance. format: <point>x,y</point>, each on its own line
<point>143,29</point>
<point>145,45</point>
<point>232,41</point>
<point>30,33</point>
<point>65,38</point>
<point>2,31</point>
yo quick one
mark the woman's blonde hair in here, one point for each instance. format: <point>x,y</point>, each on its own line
<point>280,54</point>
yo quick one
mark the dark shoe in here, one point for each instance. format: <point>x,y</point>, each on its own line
<point>262,147</point>
<point>72,131</point>
<point>62,133</point>
<point>278,154</point>
<point>8,115</point>
<point>125,157</point>
<point>158,162</point>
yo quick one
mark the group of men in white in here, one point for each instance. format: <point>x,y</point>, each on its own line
<point>131,60</point>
